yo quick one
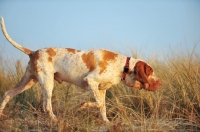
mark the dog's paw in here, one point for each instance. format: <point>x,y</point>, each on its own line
<point>84,105</point>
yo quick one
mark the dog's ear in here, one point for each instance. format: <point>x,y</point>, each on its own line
<point>148,70</point>
<point>140,71</point>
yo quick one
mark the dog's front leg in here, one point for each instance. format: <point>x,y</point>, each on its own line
<point>103,106</point>
<point>99,96</point>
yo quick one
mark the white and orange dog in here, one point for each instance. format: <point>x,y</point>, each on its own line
<point>95,70</point>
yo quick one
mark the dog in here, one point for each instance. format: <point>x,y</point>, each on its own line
<point>94,70</point>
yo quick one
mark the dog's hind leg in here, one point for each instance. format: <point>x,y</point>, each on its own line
<point>46,80</point>
<point>26,82</point>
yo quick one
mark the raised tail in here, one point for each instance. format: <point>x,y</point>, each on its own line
<point>16,45</point>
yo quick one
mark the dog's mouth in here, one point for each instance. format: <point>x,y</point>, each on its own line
<point>137,84</point>
<point>147,86</point>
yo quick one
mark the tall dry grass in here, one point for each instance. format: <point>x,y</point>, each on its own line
<point>174,107</point>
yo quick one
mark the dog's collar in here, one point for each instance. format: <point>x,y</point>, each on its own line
<point>126,68</point>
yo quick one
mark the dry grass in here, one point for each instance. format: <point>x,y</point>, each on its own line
<point>174,107</point>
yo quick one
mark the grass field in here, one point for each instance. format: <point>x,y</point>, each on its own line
<point>173,107</point>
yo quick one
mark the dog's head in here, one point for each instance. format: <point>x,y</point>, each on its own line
<point>142,76</point>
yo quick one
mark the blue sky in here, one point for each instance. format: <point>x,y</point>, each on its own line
<point>148,27</point>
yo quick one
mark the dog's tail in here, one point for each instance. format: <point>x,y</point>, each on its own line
<point>16,45</point>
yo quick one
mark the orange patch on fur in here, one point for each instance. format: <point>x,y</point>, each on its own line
<point>49,59</point>
<point>89,60</point>
<point>73,51</point>
<point>51,53</point>
<point>106,57</point>
<point>33,62</point>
